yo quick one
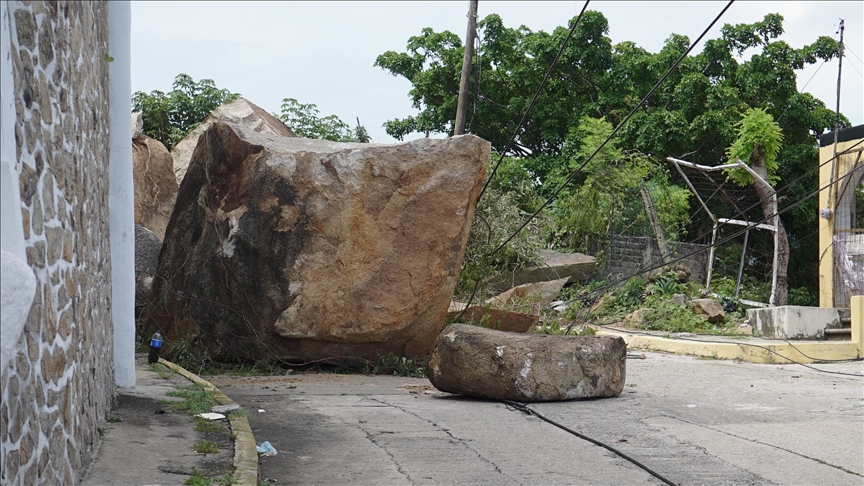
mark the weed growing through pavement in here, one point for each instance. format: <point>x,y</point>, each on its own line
<point>163,371</point>
<point>113,418</point>
<point>204,425</point>
<point>206,447</point>
<point>195,399</point>
<point>199,479</point>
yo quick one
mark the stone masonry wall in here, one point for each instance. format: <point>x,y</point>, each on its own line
<point>629,254</point>
<point>56,392</point>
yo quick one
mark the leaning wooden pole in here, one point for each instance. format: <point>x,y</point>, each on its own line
<point>470,35</point>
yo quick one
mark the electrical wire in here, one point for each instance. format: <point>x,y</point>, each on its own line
<point>534,99</point>
<point>614,132</point>
<point>527,410</point>
<point>856,375</point>
<point>596,294</point>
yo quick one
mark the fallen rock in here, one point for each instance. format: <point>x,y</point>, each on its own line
<point>680,300</point>
<point>710,308</point>
<point>307,250</point>
<point>147,248</point>
<point>241,112</point>
<point>500,319</point>
<point>637,317</point>
<point>553,266</point>
<point>154,182</point>
<point>485,363</point>
<point>530,297</point>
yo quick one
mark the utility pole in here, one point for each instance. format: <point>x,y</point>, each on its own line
<point>839,72</point>
<point>655,223</point>
<point>470,35</point>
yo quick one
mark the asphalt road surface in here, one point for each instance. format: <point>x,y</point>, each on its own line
<point>692,421</point>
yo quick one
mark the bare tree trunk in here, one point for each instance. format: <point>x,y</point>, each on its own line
<point>765,193</point>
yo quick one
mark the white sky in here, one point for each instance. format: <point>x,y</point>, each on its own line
<point>323,52</point>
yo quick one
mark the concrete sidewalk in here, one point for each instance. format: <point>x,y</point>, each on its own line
<point>145,442</point>
<point>695,421</point>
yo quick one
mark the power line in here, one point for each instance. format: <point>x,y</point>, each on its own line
<point>534,99</point>
<point>611,135</point>
<point>752,225</point>
<point>525,409</point>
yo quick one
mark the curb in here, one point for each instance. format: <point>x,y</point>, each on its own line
<point>767,353</point>
<point>245,449</point>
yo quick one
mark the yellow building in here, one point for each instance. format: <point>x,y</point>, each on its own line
<point>841,217</point>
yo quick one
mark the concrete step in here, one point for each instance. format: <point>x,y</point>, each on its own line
<point>841,334</point>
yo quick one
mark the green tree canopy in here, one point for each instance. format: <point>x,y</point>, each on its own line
<point>168,117</point>
<point>692,115</point>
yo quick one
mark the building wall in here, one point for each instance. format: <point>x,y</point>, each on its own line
<point>59,387</point>
<point>629,255</point>
<point>832,292</point>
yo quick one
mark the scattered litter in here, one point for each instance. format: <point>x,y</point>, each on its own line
<point>796,376</point>
<point>622,440</point>
<point>636,356</point>
<point>261,410</point>
<point>691,405</point>
<point>160,412</point>
<point>266,449</point>
<point>362,421</point>
<point>211,416</point>
<point>225,408</point>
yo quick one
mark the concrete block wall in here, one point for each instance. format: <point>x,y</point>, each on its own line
<point>628,254</point>
<point>60,385</point>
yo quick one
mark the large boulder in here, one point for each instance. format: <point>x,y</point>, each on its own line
<point>485,363</point>
<point>154,183</point>
<point>240,112</point>
<point>710,308</point>
<point>553,265</point>
<point>147,248</point>
<point>314,250</point>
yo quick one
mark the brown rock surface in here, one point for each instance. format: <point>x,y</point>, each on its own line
<point>531,297</point>
<point>712,309</point>
<point>485,363</point>
<point>155,185</point>
<point>500,319</point>
<point>553,265</point>
<point>308,249</point>
<point>241,112</point>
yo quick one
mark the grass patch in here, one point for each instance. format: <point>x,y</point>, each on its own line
<point>163,371</point>
<point>195,399</point>
<point>113,418</point>
<point>199,479</point>
<point>204,425</point>
<point>206,447</point>
<point>240,413</point>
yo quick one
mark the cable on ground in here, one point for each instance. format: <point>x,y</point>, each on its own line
<point>525,409</point>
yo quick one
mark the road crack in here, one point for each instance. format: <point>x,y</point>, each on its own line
<point>820,461</point>
<point>454,439</point>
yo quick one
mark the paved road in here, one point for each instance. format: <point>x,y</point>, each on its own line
<point>693,421</point>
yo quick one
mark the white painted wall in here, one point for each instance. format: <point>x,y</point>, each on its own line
<point>121,192</point>
<point>17,282</point>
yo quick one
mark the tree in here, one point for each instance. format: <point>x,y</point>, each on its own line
<point>693,113</point>
<point>168,117</point>
<point>758,143</point>
<point>305,121</point>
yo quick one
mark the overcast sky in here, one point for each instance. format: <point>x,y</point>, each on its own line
<point>323,52</point>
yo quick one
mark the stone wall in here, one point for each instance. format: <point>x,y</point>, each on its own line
<point>58,389</point>
<point>628,255</point>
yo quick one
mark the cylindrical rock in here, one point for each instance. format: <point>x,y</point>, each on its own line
<point>486,363</point>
